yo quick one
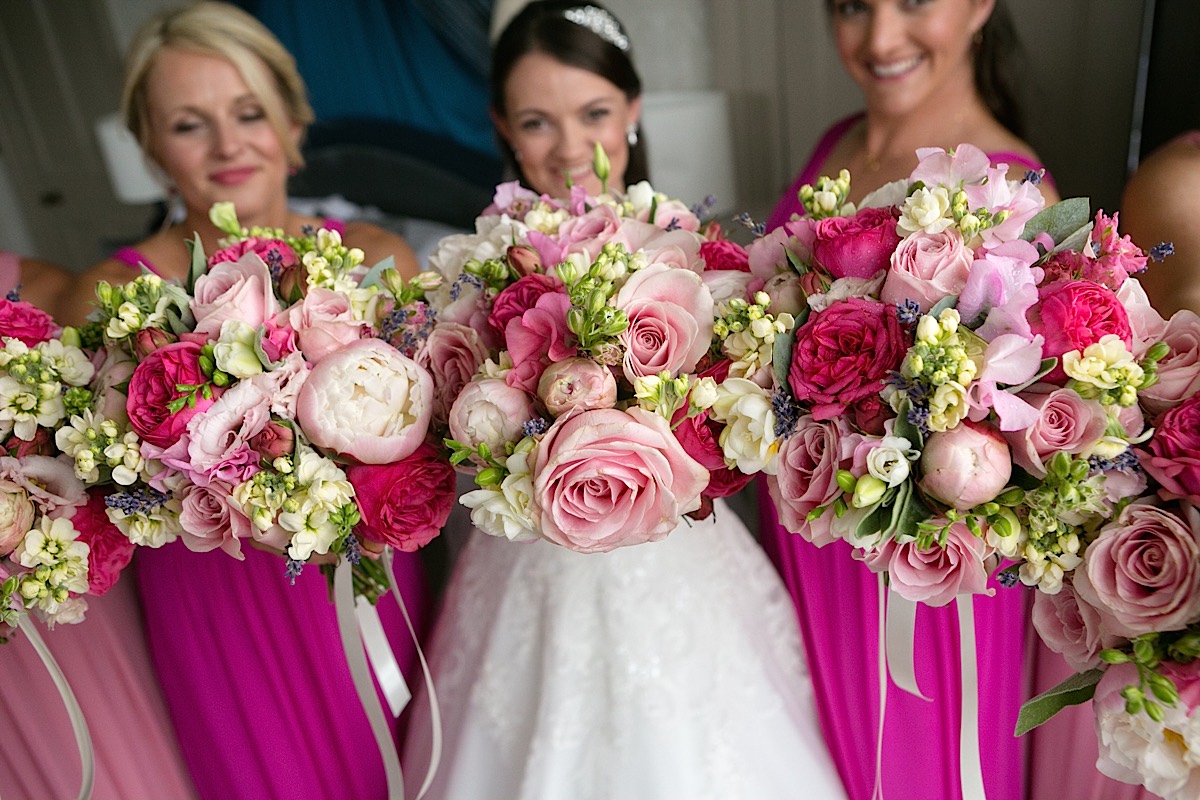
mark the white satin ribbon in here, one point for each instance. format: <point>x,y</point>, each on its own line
<point>881,658</point>
<point>83,739</point>
<point>970,767</point>
<point>379,653</point>
<point>901,634</point>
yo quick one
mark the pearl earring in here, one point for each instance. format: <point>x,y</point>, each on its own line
<point>631,134</point>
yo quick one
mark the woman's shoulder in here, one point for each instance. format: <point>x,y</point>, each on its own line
<point>378,243</point>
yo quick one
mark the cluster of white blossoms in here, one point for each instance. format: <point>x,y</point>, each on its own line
<point>34,382</point>
<point>58,565</point>
<point>100,448</point>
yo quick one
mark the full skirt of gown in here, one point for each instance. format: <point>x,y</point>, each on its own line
<point>255,678</point>
<point>655,672</point>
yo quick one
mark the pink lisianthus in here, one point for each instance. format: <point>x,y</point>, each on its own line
<point>605,479</point>
<point>1178,372</point>
<point>1074,314</point>
<point>451,353</point>
<point>723,254</point>
<point>153,386</point>
<point>927,268</point>
<point>26,322</point>
<point>211,519</point>
<point>538,338</point>
<point>1142,573</point>
<point>219,439</point>
<point>1172,456</point>
<point>966,465</point>
<point>1070,626</point>
<point>576,384</point>
<point>323,322</point>
<point>937,574</point>
<point>806,478</point>
<point>109,551</point>
<point>855,247</point>
<point>518,297</point>
<point>490,412</point>
<point>238,290</point>
<point>845,354</point>
<point>367,402</point>
<point>404,504</point>
<point>1065,422</point>
<point>670,315</point>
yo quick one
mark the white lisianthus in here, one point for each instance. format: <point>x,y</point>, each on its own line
<point>234,350</point>
<point>748,439</point>
<point>640,196</point>
<point>926,210</point>
<point>889,460</point>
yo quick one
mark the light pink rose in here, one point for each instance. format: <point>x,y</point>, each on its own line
<point>1179,372</point>
<point>219,439</point>
<point>670,315</point>
<point>323,323</point>
<point>1142,573</point>
<point>1066,422</point>
<point>678,249</point>
<point>210,519</point>
<point>926,268</point>
<point>1147,324</point>
<point>49,482</point>
<point>937,575</point>
<point>577,384</point>
<point>113,373</point>
<point>786,293</point>
<point>1071,626</point>
<point>490,412</point>
<point>16,516</point>
<point>589,232</point>
<point>966,465</point>
<point>606,478</point>
<point>451,353</point>
<point>366,401</point>
<point>238,290</point>
<point>807,466</point>
<point>673,214</point>
<point>538,338</point>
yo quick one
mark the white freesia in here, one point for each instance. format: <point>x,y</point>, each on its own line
<point>889,460</point>
<point>926,210</point>
<point>748,439</point>
<point>234,350</point>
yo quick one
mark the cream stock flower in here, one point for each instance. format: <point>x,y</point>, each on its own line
<point>748,440</point>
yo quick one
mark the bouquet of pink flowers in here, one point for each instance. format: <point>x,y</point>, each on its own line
<point>575,369</point>
<point>56,545</point>
<point>975,383</point>
<point>274,401</point>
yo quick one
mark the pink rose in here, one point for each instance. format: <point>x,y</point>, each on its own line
<point>1071,315</point>
<point>1179,372</point>
<point>926,268</point>
<point>16,516</point>
<point>219,439</point>
<point>211,519</point>
<point>577,383</point>
<point>966,465</point>
<point>538,338</point>
<point>522,261</point>
<point>723,254</point>
<point>1066,422</point>
<point>274,441</point>
<point>605,479</point>
<point>280,258</point>
<point>404,504</point>
<point>938,574</point>
<point>677,249</point>
<point>1172,456</point>
<point>323,323</point>
<point>239,290</point>
<point>670,315</point>
<point>152,387</point>
<point>1142,573</point>
<point>517,298</point>
<point>786,293</point>
<point>26,322</point>
<point>147,340</point>
<point>278,341</point>
<point>451,353</point>
<point>1070,626</point>
<point>768,254</point>
<point>806,479</point>
<point>700,437</point>
<point>366,401</point>
<point>109,551</point>
<point>490,412</point>
<point>588,231</point>
<point>855,247</point>
<point>42,444</point>
<point>844,354</point>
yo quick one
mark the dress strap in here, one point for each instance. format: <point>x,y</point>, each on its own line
<point>333,224</point>
<point>132,257</point>
<point>789,204</point>
<point>1012,158</point>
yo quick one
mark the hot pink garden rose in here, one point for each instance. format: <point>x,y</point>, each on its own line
<point>937,575</point>
<point>844,354</point>
<point>538,338</point>
<point>109,550</point>
<point>1172,456</point>
<point>404,504</point>
<point>26,322</point>
<point>210,519</point>
<point>966,465</point>
<point>806,479</point>
<point>323,323</point>
<point>490,412</point>
<point>723,254</point>
<point>1073,314</point>
<point>152,387</point>
<point>1142,573</point>
<point>577,383</point>
<point>1070,626</point>
<point>1066,422</point>
<point>239,290</point>
<point>605,479</point>
<point>855,247</point>
<point>366,401</point>
<point>700,437</point>
<point>926,268</point>
<point>520,296</point>
<point>451,353</point>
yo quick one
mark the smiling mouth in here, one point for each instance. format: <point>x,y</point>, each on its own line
<point>232,177</point>
<point>578,173</point>
<point>896,68</point>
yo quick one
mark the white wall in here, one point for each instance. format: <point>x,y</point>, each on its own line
<point>14,233</point>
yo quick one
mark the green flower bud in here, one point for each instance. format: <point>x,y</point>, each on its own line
<point>846,480</point>
<point>1163,688</point>
<point>489,477</point>
<point>1155,711</point>
<point>601,165</point>
<point>1113,657</point>
<point>224,218</point>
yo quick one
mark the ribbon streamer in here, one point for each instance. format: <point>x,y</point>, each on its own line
<point>379,653</point>
<point>901,634</point>
<point>970,768</point>
<point>83,739</point>
<point>877,792</point>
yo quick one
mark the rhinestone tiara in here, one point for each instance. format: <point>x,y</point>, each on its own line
<point>599,22</point>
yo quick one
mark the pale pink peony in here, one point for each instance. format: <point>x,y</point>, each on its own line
<point>490,412</point>
<point>577,384</point>
<point>239,290</point>
<point>1066,422</point>
<point>16,516</point>
<point>927,268</point>
<point>966,465</point>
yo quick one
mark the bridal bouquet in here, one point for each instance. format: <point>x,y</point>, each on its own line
<point>272,400</point>
<point>975,383</point>
<point>576,367</point>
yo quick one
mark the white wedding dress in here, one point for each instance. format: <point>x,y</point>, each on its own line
<point>664,671</point>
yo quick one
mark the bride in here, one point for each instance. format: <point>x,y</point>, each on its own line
<point>655,672</point>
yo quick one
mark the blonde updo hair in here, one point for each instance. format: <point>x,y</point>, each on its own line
<point>225,31</point>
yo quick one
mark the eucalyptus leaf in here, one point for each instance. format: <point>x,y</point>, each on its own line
<point>781,356</point>
<point>372,276</point>
<point>949,301</point>
<point>199,262</point>
<point>1060,220</point>
<point>1071,692</point>
<point>904,428</point>
<point>1076,240</point>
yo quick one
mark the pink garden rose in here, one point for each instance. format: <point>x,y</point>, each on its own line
<point>1066,422</point>
<point>1070,626</point>
<point>16,515</point>
<point>275,440</point>
<point>239,290</point>
<point>605,479</point>
<point>490,412</point>
<point>152,387</point>
<point>577,384</point>
<point>210,519</point>
<point>1179,372</point>
<point>109,550</point>
<point>723,254</point>
<point>323,322</point>
<point>26,322</point>
<point>1142,573</point>
<point>926,268</point>
<point>938,574</point>
<point>1172,456</point>
<point>670,315</point>
<point>278,341</point>
<point>855,247</point>
<point>844,354</point>
<point>406,503</point>
<point>538,338</point>
<point>966,465</point>
<point>520,296</point>
<point>367,402</point>
<point>451,353</point>
<point>806,479</point>
<point>279,257</point>
<point>1073,314</point>
<point>700,437</point>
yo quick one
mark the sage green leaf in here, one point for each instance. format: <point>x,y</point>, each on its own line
<point>1071,692</point>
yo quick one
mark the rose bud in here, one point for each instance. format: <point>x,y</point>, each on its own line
<point>966,465</point>
<point>273,441</point>
<point>147,340</point>
<point>523,260</point>
<point>577,383</point>
<point>787,294</point>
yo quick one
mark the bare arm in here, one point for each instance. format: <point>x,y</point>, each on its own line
<point>42,283</point>
<point>76,300</point>
<point>378,243</point>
